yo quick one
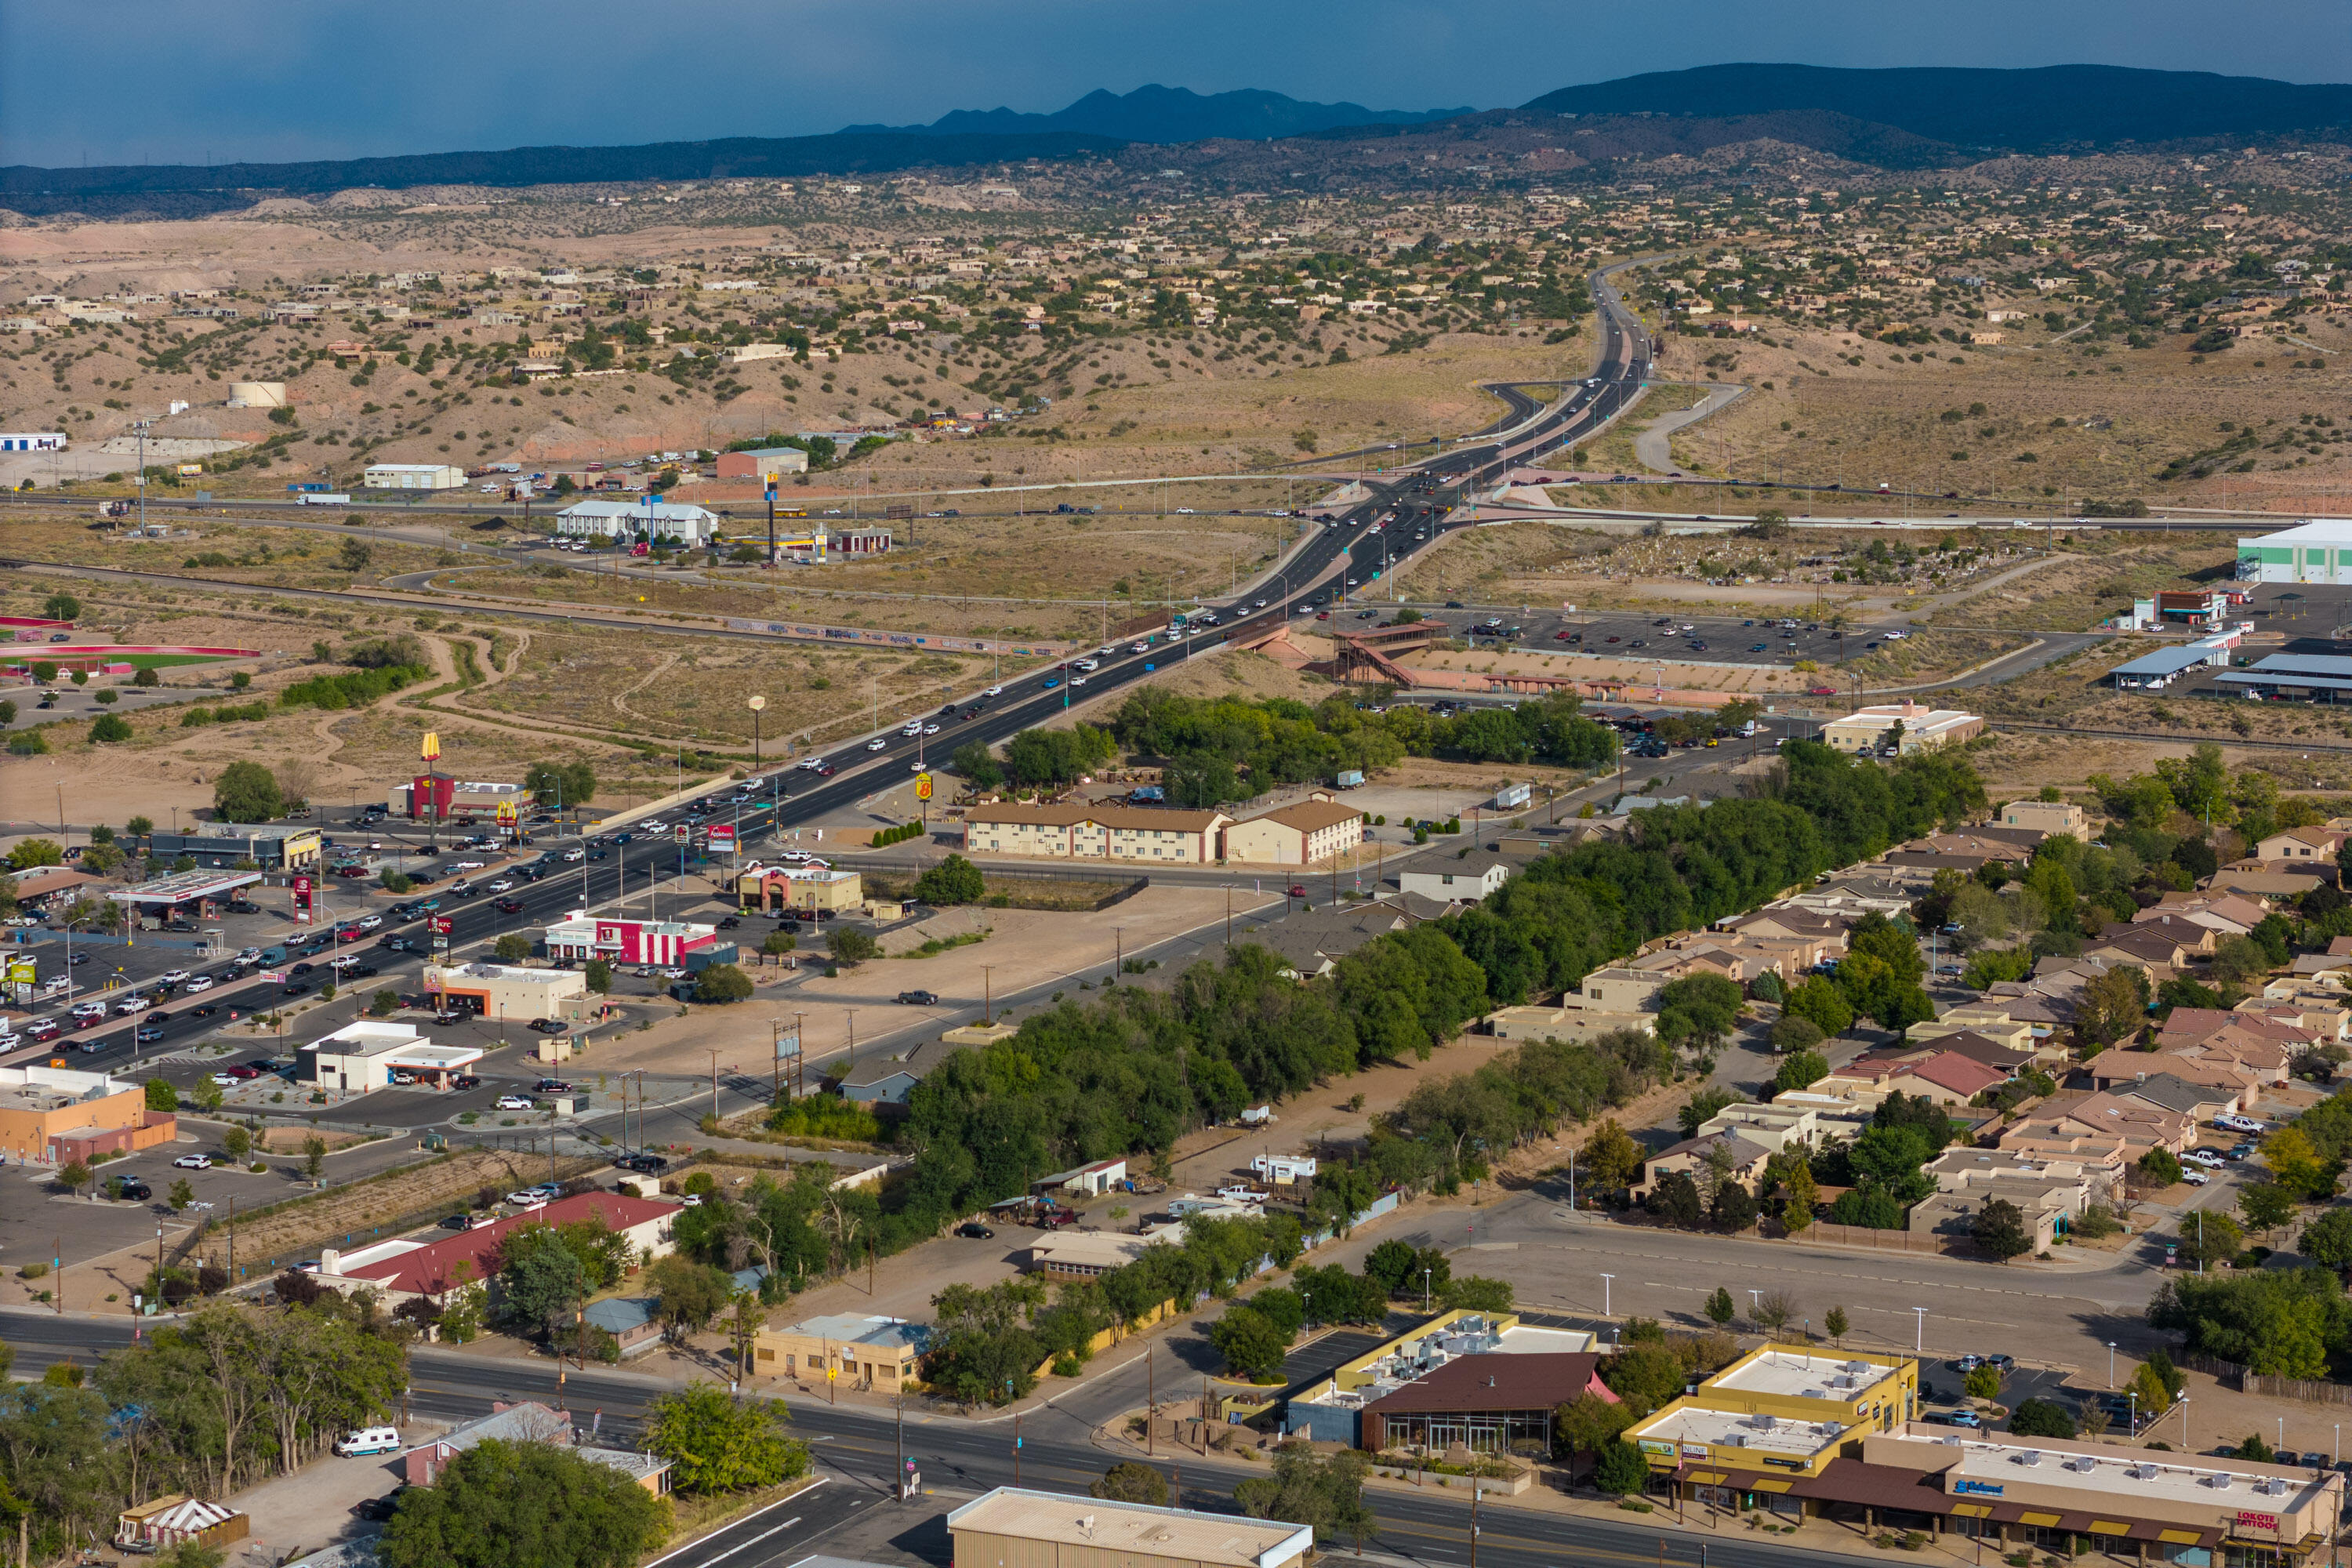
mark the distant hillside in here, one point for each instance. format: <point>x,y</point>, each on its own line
<point>2025,111</point>
<point>1169,114</point>
<point>181,190</point>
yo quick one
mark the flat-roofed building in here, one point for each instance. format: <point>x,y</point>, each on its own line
<point>1086,1253</point>
<point>365,1056</point>
<point>1011,1528</point>
<point>852,1351</point>
<point>1517,1376</point>
<point>774,890</point>
<point>414,477</point>
<point>1872,728</point>
<point>54,1116</point>
<point>272,846</point>
<point>500,990</point>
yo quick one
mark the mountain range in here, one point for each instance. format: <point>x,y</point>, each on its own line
<point>1164,114</point>
<point>1907,118</point>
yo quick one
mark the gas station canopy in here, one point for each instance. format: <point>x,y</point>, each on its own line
<point>187,888</point>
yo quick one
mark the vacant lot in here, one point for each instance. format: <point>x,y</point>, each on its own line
<point>2099,576</point>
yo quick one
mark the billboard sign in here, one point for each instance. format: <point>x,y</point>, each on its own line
<point>303,895</point>
<point>722,838</point>
<point>683,832</point>
<point>922,787</point>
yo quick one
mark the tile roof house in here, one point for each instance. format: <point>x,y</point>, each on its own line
<point>402,1271</point>
<point>2200,1102</point>
<point>2302,844</point>
<point>2073,1124</point>
<point>1312,943</point>
<point>1746,1157</point>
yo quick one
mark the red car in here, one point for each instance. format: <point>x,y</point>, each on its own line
<point>1821,691</point>
<point>1297,889</point>
<point>45,1029</point>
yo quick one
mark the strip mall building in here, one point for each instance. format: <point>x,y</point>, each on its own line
<point>1787,1430</point>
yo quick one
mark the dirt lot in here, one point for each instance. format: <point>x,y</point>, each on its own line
<point>2097,421</point>
<point>2096,576</point>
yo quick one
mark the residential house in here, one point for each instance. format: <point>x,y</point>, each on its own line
<point>889,1077</point>
<point>1948,1077</point>
<point>2225,914</point>
<point>2302,844</point>
<point>2047,816</point>
<point>1742,1159</point>
<point>1311,944</point>
<point>527,1422</point>
<point>401,1269</point>
<point>877,1354</point>
<point>2075,1124</point>
<point>2199,1101</point>
<point>1465,880</point>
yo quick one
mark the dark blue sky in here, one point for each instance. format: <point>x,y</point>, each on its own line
<point>168,81</point>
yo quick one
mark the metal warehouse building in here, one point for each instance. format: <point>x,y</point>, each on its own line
<point>2319,551</point>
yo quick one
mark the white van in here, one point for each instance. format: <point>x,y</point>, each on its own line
<point>370,1440</point>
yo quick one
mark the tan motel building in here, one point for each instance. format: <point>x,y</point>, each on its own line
<point>1313,830</point>
<point>1080,830</point>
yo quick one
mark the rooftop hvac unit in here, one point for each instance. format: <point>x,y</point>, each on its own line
<point>2219,1481</point>
<point>2145,1472</point>
<point>2082,1464</point>
<point>2273,1486</point>
<point>2029,1456</point>
<point>1860,1368</point>
<point>1762,1421</point>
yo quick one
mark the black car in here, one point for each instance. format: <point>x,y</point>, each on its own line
<point>302,969</point>
<point>919,998</point>
<point>465,1081</point>
<point>595,855</point>
<point>129,1190</point>
<point>156,1015</point>
<point>976,1230</point>
<point>457,1222</point>
<point>729,923</point>
<point>509,906</point>
<point>378,1510</point>
<point>205,1012</point>
<point>645,1164</point>
<point>297,989</point>
<point>550,1085</point>
<point>360,971</point>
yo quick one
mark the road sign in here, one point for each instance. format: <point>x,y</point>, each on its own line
<point>722,838</point>
<point>683,832</point>
<point>441,925</point>
<point>898,511</point>
<point>922,787</point>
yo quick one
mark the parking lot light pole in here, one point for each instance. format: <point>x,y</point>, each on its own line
<point>1605,1281</point>
<point>1919,1331</point>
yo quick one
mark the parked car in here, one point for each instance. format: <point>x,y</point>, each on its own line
<point>515,1103</point>
<point>193,1162</point>
<point>919,998</point>
<point>370,1440</point>
<point>977,1231</point>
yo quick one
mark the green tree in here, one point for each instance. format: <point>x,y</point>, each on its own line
<point>721,983</point>
<point>1720,1308</point>
<point>1253,1347</point>
<point>247,792</point>
<point>161,1096</point>
<point>1982,1382</point>
<point>1128,1481</point>
<point>2040,1418</point>
<point>1821,1004</point>
<point>849,945</point>
<point>599,976</point>
<point>1800,1070</point>
<point>1702,1108</point>
<point>975,762</point>
<point>2327,1240</point>
<point>314,1156</point>
<point>715,1444</point>
<point>1390,1263</point>
<point>954,881</point>
<point>1621,1470</point>
<point>1999,1228</point>
<point>146,677</point>
<point>394,882</point>
<point>1698,1011</point>
<point>1476,1293</point>
<point>1836,1324</point>
<point>355,555</point>
<point>2160,1167</point>
<point>30,853</point>
<point>499,1503</point>
<point>1612,1160</point>
<point>61,606</point>
<point>1791,1034</point>
<point>566,783</point>
<point>1325,1494</point>
<point>236,1142</point>
<point>1587,1423</point>
<point>383,1004</point>
<point>110,729</point>
<point>691,1293</point>
<point>73,1177</point>
<point>181,1196</point>
<point>513,948</point>
<point>2266,1205</point>
<point>2210,1239</point>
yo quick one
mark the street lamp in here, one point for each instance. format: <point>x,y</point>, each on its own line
<point>1605,1279</point>
<point>1919,1331</point>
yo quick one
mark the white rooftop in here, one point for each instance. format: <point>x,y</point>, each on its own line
<point>1739,1429</point>
<point>1795,1374</point>
<point>366,1039</point>
<point>2134,1472</point>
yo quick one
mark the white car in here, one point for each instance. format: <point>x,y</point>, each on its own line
<point>201,983</point>
<point>173,977</point>
<point>1090,665</point>
<point>793,855</point>
<point>1140,648</point>
<point>466,865</point>
<point>503,885</point>
<point>92,1009</point>
<point>914,729</point>
<point>131,1004</point>
<point>2196,1178</point>
<point>934,728</point>
<point>673,972</point>
<point>226,1080</point>
<point>193,1162</point>
<point>248,954</point>
<point>516,1102</point>
<point>370,922</point>
<point>2205,1157</point>
<point>877,743</point>
<point>572,855</point>
<point>993,692</point>
<point>810,764</point>
<point>527,1199</point>
<point>1074,680</point>
<point>9,1038</point>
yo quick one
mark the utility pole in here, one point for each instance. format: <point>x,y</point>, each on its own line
<point>714,1083</point>
<point>987,995</point>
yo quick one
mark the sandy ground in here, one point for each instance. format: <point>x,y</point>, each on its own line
<point>1028,948</point>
